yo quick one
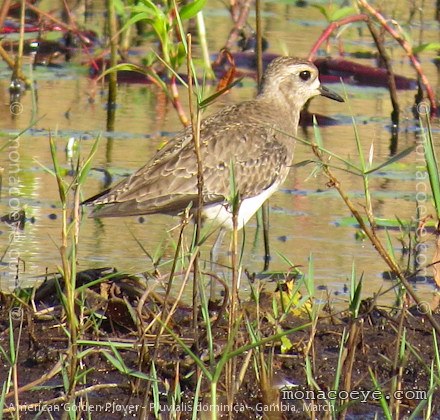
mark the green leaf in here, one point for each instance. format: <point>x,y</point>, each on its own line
<point>57,171</point>
<point>134,67</point>
<point>220,92</point>
<point>380,222</point>
<point>383,401</point>
<point>390,247</point>
<point>114,362</point>
<point>317,133</point>
<point>407,35</point>
<point>323,10</point>
<point>286,344</point>
<point>119,7</point>
<point>85,169</point>
<point>431,164</point>
<point>136,18</point>
<point>342,13</point>
<point>395,158</point>
<point>137,374</point>
<point>119,364</point>
<point>147,6</point>
<point>430,46</point>
<point>355,292</point>
<point>190,10</point>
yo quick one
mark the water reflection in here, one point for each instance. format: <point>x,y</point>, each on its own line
<point>304,214</point>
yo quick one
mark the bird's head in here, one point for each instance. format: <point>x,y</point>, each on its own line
<point>294,81</point>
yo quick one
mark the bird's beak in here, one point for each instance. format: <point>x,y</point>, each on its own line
<point>330,94</point>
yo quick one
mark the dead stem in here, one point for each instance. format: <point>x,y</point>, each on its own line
<point>11,64</point>
<point>15,368</point>
<point>57,22</point>
<point>113,76</point>
<point>397,366</point>
<point>9,61</point>
<point>239,12</point>
<point>436,257</point>
<point>69,274</point>
<point>371,234</point>
<point>41,404</point>
<point>145,405</point>
<point>4,10</point>
<point>182,287</point>
<point>332,27</point>
<point>164,312</point>
<point>19,56</point>
<point>396,35</point>
<point>234,319</point>
<point>49,375</point>
<point>265,207</point>
<point>195,124</point>
<point>176,101</point>
<point>350,354</point>
<point>408,49</point>
<point>391,79</point>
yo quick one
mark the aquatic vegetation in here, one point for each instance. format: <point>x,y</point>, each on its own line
<point>270,343</point>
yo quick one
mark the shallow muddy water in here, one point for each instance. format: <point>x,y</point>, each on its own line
<point>305,214</point>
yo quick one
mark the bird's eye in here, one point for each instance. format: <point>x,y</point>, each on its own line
<point>305,75</point>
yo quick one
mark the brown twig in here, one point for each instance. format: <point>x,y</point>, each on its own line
<point>176,102</point>
<point>10,62</point>
<point>164,317</point>
<point>7,58</point>
<point>113,77</point>
<point>19,56</point>
<point>195,126</point>
<point>38,405</point>
<point>234,300</point>
<point>240,21</point>
<point>332,27</point>
<point>436,257</point>
<point>351,346</point>
<point>391,79</point>
<point>371,234</point>
<point>265,207</point>
<point>72,27</point>
<point>42,379</point>
<point>48,16</point>
<point>69,13</point>
<point>4,9</point>
<point>396,35</point>
<point>396,381</point>
<point>407,48</point>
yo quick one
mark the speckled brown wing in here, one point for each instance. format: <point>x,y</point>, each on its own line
<point>168,183</point>
<point>257,156</point>
<point>249,136</point>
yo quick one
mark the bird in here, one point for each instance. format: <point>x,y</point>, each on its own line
<point>255,139</point>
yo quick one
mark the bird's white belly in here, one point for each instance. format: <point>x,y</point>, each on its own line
<point>221,214</point>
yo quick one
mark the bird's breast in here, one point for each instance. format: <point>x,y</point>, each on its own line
<point>220,214</point>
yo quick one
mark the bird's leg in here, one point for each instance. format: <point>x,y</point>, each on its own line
<point>214,256</point>
<point>265,214</point>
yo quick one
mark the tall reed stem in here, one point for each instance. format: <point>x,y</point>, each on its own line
<point>113,76</point>
<point>68,271</point>
<point>372,237</point>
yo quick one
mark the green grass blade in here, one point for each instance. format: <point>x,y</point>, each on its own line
<point>383,401</point>
<point>394,159</point>
<point>57,171</point>
<point>85,168</point>
<point>317,133</point>
<point>210,99</point>
<point>431,164</point>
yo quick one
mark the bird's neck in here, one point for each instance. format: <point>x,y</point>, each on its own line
<point>281,113</point>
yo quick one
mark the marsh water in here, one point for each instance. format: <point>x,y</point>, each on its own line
<point>306,216</point>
